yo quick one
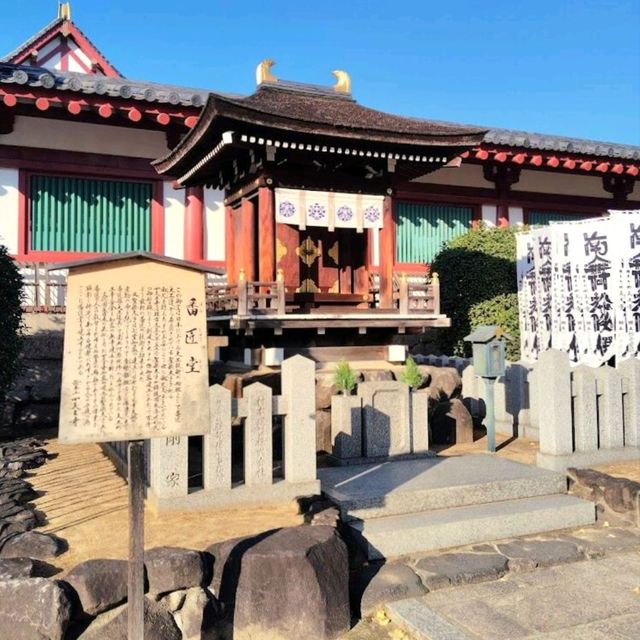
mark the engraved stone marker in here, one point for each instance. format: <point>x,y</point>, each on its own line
<point>387,418</point>
<point>258,467</point>
<point>217,445</point>
<point>135,351</point>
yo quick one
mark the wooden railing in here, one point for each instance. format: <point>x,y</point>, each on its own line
<point>248,297</point>
<point>416,297</point>
<point>42,292</point>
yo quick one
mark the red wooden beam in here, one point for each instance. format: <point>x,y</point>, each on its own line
<point>9,100</point>
<point>134,115</point>
<point>553,162</point>
<point>105,110</point>
<point>194,224</point>
<point>569,164</point>
<point>42,104</point>
<point>603,167</point>
<point>464,155</point>
<point>536,161</point>
<point>163,119</point>
<point>500,157</point>
<point>229,253</point>
<point>267,235</point>
<point>247,238</point>
<point>586,165</point>
<point>632,170</point>
<point>519,158</point>
<point>74,107</point>
<point>617,168</point>
<point>388,251</point>
<point>191,121</point>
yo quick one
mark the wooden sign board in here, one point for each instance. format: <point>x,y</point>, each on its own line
<point>135,352</point>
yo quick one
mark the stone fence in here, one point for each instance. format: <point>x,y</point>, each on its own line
<point>586,415</point>
<point>167,459</point>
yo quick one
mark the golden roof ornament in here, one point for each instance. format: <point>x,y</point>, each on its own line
<point>263,72</point>
<point>343,84</point>
<point>64,10</point>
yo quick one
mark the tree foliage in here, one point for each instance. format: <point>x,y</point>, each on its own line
<point>411,374</point>
<point>478,286</point>
<point>345,378</point>
<point>10,320</point>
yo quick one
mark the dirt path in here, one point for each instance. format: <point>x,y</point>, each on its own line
<point>85,502</point>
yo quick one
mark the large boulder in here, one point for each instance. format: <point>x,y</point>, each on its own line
<point>323,431</point>
<point>112,625</point>
<point>12,568</point>
<point>292,584</point>
<point>197,615</point>
<point>100,584</point>
<point>445,382</point>
<point>33,609</point>
<point>173,568</point>
<point>32,544</point>
<point>451,423</point>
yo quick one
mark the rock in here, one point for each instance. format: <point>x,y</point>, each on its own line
<point>100,584</point>
<point>323,431</point>
<point>391,582</point>
<point>293,584</point>
<point>173,568</point>
<point>197,615</point>
<point>461,568</point>
<point>33,609</point>
<point>451,423</point>
<point>32,544</point>
<point>525,555</point>
<point>112,625</point>
<point>445,383</point>
<point>375,375</point>
<point>174,600</point>
<point>325,388</point>
<point>12,568</point>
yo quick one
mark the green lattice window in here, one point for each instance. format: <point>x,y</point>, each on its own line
<point>79,214</point>
<point>422,229</point>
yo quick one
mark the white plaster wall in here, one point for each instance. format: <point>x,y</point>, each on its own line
<point>561,183</point>
<point>516,216</point>
<point>9,197</point>
<point>469,175</point>
<point>74,66</point>
<point>489,214</point>
<point>82,136</point>
<point>80,53</point>
<point>214,226</point>
<point>173,221</point>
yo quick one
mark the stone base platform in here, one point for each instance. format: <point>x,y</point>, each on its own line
<point>580,459</point>
<point>334,461</point>
<point>402,507</point>
<point>238,496</point>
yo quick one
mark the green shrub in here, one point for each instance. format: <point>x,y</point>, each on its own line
<point>345,378</point>
<point>477,273</point>
<point>411,374</point>
<point>503,311</point>
<point>10,320</point>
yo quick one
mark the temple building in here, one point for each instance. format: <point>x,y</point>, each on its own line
<point>323,213</point>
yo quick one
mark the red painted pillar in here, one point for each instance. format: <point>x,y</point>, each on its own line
<point>387,254</point>
<point>248,226</point>
<point>267,234</point>
<point>194,224</point>
<point>229,247</point>
<point>502,214</point>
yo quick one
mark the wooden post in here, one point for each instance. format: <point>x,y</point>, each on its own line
<point>135,592</point>
<point>435,292</point>
<point>281,291</point>
<point>194,224</point>
<point>248,238</point>
<point>387,254</point>
<point>267,235</point>
<point>229,252</point>
<point>242,293</point>
<point>403,303</point>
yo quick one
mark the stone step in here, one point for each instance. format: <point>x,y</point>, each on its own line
<point>420,532</point>
<point>401,487</point>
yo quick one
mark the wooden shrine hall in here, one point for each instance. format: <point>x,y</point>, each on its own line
<point>308,176</point>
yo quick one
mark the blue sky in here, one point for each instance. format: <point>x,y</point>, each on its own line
<point>568,67</point>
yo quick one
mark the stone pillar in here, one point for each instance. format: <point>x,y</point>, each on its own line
<point>610,408</point>
<point>585,409</point>
<point>258,444</point>
<point>553,397</point>
<point>630,371</point>
<point>217,444</point>
<point>419,421</point>
<point>346,426</point>
<point>299,389</point>
<point>168,466</point>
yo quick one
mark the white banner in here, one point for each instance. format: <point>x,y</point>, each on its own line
<point>328,209</point>
<point>579,288</point>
